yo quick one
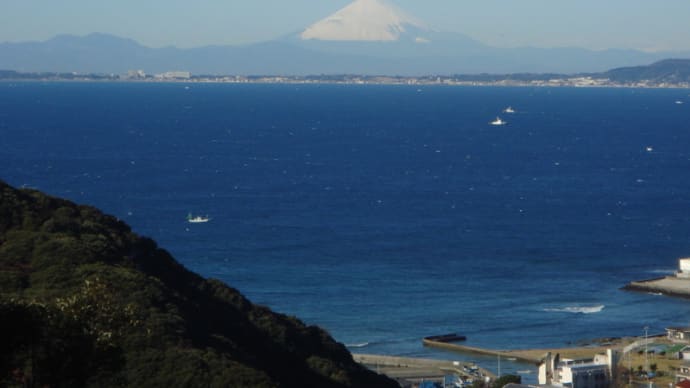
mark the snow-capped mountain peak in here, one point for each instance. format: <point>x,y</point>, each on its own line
<point>363,20</point>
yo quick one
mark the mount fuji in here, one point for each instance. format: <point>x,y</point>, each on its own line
<point>368,37</point>
<point>379,29</point>
<point>369,21</point>
<point>377,37</point>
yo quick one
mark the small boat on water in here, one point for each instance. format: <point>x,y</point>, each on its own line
<point>498,121</point>
<point>197,219</point>
<point>509,110</point>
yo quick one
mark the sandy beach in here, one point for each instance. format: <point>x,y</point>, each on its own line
<point>535,355</point>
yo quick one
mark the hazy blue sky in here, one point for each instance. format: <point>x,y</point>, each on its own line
<point>597,24</point>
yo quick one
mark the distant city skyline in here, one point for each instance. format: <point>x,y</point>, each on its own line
<point>636,24</point>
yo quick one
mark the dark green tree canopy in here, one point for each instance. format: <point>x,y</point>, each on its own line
<point>84,301</point>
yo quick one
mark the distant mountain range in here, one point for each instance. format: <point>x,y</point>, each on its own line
<point>672,71</point>
<point>368,37</point>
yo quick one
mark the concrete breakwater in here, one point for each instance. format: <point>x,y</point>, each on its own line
<point>530,358</point>
<point>669,285</point>
<point>406,369</point>
<point>451,337</point>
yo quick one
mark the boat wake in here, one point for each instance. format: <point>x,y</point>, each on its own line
<point>577,309</point>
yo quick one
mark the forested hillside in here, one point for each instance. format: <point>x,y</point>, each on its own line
<point>84,301</point>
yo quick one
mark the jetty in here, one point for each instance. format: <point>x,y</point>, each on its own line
<point>408,370</point>
<point>677,285</point>
<point>669,285</point>
<point>447,338</point>
<point>531,357</point>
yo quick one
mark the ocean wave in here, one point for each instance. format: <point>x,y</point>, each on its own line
<point>577,309</point>
<point>385,341</point>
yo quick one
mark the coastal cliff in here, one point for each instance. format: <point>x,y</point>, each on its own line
<point>84,301</point>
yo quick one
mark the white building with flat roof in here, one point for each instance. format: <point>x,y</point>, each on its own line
<point>684,268</point>
<point>590,373</point>
<point>175,75</point>
<point>135,74</point>
<point>678,334</point>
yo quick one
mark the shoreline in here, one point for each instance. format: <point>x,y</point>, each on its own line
<point>421,369</point>
<point>363,81</point>
<point>533,356</point>
<point>480,351</point>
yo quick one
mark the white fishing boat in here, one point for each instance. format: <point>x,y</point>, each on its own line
<point>498,121</point>
<point>197,219</point>
<point>509,110</point>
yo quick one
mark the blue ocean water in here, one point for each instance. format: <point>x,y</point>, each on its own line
<point>386,213</point>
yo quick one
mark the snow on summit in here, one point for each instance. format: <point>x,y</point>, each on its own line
<point>363,20</point>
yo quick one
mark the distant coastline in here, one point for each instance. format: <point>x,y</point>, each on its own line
<point>528,80</point>
<point>669,73</point>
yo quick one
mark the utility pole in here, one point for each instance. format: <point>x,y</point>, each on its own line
<point>646,353</point>
<point>630,369</point>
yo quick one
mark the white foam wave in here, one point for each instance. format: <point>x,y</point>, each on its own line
<point>577,309</point>
<point>360,345</point>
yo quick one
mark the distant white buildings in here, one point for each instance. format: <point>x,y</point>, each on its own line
<point>174,75</point>
<point>168,75</point>
<point>678,334</point>
<point>135,74</point>
<point>589,373</point>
